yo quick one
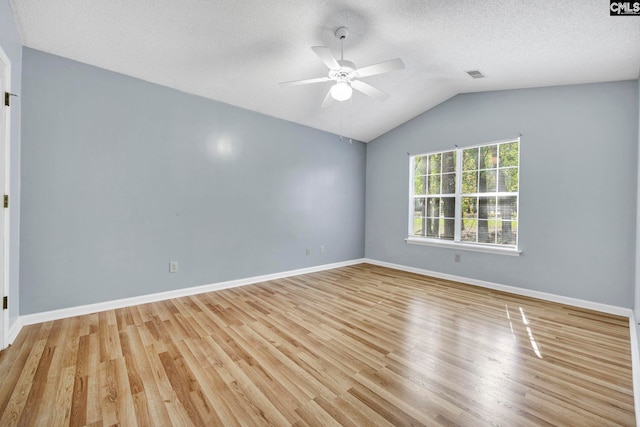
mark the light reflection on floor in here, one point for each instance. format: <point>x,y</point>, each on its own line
<point>463,358</point>
<point>429,331</point>
<point>525,321</point>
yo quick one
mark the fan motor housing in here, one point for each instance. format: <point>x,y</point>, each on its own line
<point>346,72</point>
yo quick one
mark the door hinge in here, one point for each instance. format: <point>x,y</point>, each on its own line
<point>6,200</point>
<point>5,303</point>
<point>7,98</point>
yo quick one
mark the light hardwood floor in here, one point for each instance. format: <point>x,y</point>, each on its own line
<point>361,346</point>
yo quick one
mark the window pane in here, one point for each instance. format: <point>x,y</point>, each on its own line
<point>434,184</point>
<point>433,227</point>
<point>509,154</point>
<point>488,157</point>
<point>420,165</point>
<point>486,207</point>
<point>470,182</point>
<point>470,159</point>
<point>447,229</point>
<point>469,207</point>
<point>448,183</point>
<point>493,229</point>
<point>508,180</point>
<point>449,161</point>
<point>419,226</point>
<point>470,230</point>
<point>484,235</point>
<point>487,181</point>
<point>507,210</point>
<point>433,207</point>
<point>435,161</point>
<point>448,206</point>
<point>419,207</point>
<point>419,185</point>
<point>507,206</point>
<point>506,233</point>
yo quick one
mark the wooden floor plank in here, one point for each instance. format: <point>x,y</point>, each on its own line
<point>20,391</point>
<point>359,345</point>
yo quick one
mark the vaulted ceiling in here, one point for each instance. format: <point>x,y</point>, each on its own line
<point>236,51</point>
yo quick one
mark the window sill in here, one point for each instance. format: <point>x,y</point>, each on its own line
<point>464,246</point>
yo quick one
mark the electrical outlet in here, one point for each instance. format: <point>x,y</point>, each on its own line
<point>308,251</point>
<point>457,257</point>
<point>173,267</point>
<point>321,249</point>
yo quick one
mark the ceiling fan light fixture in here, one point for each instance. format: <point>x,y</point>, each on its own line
<point>341,91</point>
<point>345,75</point>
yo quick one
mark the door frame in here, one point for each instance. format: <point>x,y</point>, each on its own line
<point>6,156</point>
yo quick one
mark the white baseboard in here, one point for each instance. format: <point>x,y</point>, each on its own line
<point>635,365</point>
<point>47,316</point>
<point>14,330</point>
<point>605,308</point>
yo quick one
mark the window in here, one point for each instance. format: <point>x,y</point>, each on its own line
<point>466,196</point>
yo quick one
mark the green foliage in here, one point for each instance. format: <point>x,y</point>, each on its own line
<point>470,182</point>
<point>508,180</point>
<point>489,157</point>
<point>435,173</point>
<point>470,159</point>
<point>435,163</point>
<point>490,168</point>
<point>419,170</point>
<point>419,185</point>
<point>420,165</point>
<point>508,167</point>
<point>449,162</point>
<point>434,184</point>
<point>509,154</point>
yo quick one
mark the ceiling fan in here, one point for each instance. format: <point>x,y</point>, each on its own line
<point>346,75</point>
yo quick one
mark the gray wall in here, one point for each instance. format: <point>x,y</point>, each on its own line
<point>579,153</point>
<point>636,305</point>
<point>12,46</point>
<point>120,176</point>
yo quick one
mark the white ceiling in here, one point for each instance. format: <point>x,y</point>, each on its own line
<point>236,51</point>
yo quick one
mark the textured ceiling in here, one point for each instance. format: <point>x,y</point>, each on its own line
<point>236,51</point>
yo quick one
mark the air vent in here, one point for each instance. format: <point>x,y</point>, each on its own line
<point>475,74</point>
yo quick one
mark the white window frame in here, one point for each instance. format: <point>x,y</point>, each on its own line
<point>457,243</point>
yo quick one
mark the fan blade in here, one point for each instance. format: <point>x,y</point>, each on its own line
<point>369,90</point>
<point>326,56</point>
<point>381,67</point>
<point>328,100</point>
<point>305,82</point>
